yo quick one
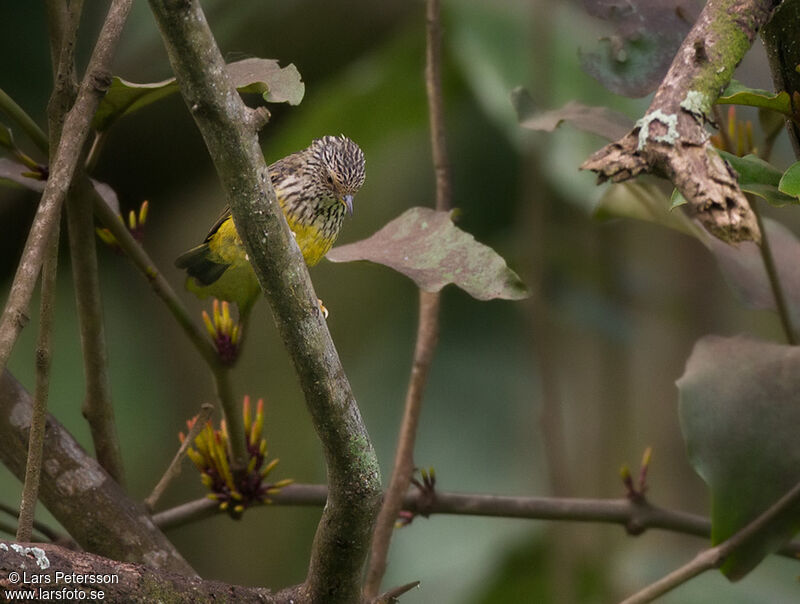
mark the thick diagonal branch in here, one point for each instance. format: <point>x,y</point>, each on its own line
<point>229,129</point>
<point>89,504</point>
<point>670,140</point>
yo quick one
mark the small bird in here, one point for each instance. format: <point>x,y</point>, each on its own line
<point>315,187</point>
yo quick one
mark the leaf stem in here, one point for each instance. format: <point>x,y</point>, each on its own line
<point>774,278</point>
<point>175,465</point>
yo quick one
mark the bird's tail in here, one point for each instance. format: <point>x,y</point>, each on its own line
<point>198,264</point>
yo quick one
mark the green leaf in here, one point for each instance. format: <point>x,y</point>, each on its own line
<point>790,181</point>
<point>759,178</point>
<point>743,268</point>
<point>426,246</point>
<point>739,414</point>
<point>738,94</point>
<point>276,84</point>
<point>7,138</point>
<point>602,121</point>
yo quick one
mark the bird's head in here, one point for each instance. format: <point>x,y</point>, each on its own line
<point>338,168</point>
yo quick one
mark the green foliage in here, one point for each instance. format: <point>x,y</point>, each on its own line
<point>790,181</point>
<point>738,94</point>
<point>759,178</point>
<point>263,76</point>
<point>427,247</point>
<point>739,414</point>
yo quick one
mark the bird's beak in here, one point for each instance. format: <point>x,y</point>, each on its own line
<point>347,200</point>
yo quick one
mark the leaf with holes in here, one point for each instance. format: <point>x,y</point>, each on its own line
<point>276,84</point>
<point>739,411</point>
<point>427,247</point>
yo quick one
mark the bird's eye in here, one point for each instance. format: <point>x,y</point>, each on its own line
<point>330,179</point>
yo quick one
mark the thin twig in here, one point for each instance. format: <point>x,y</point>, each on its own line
<point>174,468</point>
<point>714,557</point>
<point>427,327</point>
<point>10,107</point>
<point>62,168</point>
<point>97,405</point>
<point>635,517</point>
<point>33,468</point>
<point>774,278</point>
<point>48,532</point>
<point>427,336</point>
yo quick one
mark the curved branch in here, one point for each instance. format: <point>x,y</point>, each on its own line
<point>670,139</point>
<point>342,538</point>
<point>89,504</point>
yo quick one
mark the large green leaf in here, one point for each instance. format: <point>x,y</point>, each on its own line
<point>264,76</point>
<point>426,246</point>
<point>740,413</point>
<point>738,94</point>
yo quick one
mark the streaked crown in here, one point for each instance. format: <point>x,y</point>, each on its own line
<point>336,164</point>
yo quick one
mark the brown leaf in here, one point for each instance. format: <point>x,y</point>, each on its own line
<point>427,247</point>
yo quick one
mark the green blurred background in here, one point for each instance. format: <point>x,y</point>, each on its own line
<point>545,396</point>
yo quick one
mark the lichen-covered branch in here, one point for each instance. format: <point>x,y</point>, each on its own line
<point>89,504</point>
<point>118,581</point>
<point>230,131</point>
<point>670,139</point>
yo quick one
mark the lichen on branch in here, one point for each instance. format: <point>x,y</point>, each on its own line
<point>671,141</point>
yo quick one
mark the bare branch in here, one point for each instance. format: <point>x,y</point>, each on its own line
<point>33,466</point>
<point>428,322</point>
<point>715,556</point>
<point>670,140</point>
<point>174,468</point>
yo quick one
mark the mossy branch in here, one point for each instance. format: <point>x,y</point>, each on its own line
<point>227,125</point>
<point>670,139</point>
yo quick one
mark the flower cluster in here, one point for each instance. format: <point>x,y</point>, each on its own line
<point>235,488</point>
<point>224,332</point>
<point>135,225</point>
